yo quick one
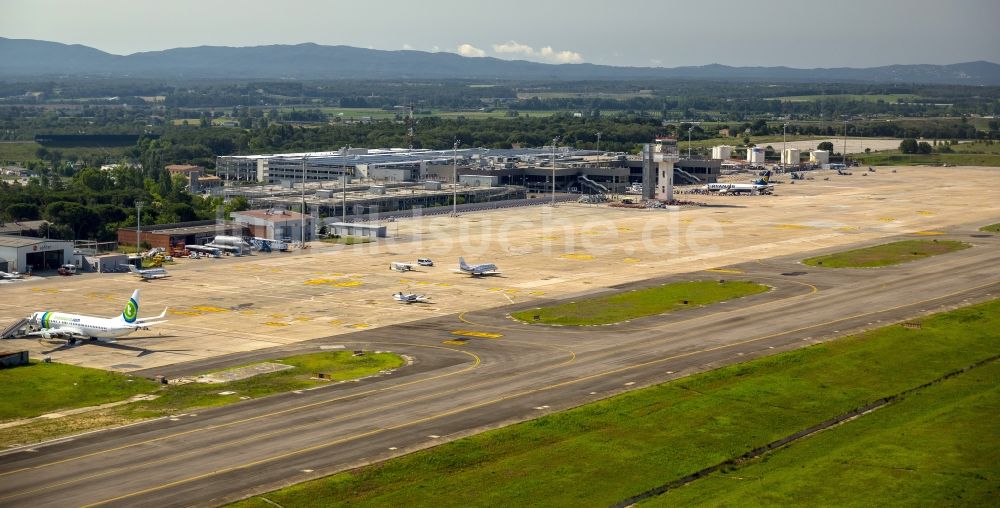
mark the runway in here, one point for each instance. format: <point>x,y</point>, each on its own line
<point>476,371</point>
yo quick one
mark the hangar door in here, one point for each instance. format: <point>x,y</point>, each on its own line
<point>44,260</point>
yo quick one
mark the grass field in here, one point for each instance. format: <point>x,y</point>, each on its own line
<point>607,451</point>
<point>59,392</point>
<point>964,154</point>
<point>849,97</point>
<point>639,303</point>
<point>887,254</point>
<point>992,228</point>
<point>41,388</point>
<point>22,151</point>
<point>926,450</point>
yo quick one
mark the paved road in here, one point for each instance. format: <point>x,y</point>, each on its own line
<point>516,373</point>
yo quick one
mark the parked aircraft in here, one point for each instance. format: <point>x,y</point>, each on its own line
<point>400,267</point>
<point>762,186</point>
<point>149,273</point>
<point>410,298</point>
<point>9,275</point>
<point>76,326</point>
<point>477,270</point>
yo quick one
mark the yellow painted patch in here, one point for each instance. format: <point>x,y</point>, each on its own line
<point>724,270</point>
<point>444,284</point>
<point>848,228</point>
<point>302,318</point>
<point>548,237</point>
<point>925,212</point>
<point>886,219</point>
<point>359,325</point>
<point>278,316</point>
<point>537,293</point>
<point>473,333</point>
<point>348,283</point>
<point>631,260</point>
<point>793,226</point>
<point>495,289</point>
<point>316,282</point>
<point>624,230</point>
<point>275,323</point>
<point>928,233</point>
<point>183,312</point>
<point>207,308</point>
<point>336,321</point>
<point>578,257</point>
<point>454,342</point>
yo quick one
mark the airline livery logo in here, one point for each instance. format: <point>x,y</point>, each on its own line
<point>131,311</point>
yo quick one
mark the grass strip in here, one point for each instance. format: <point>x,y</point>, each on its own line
<point>601,453</point>
<point>932,448</point>
<point>337,365</point>
<point>992,228</point>
<point>639,303</point>
<point>886,254</point>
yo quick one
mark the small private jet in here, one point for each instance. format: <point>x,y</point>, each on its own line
<point>148,273</point>
<point>401,267</point>
<point>477,270</point>
<point>9,275</point>
<point>410,298</point>
<point>76,326</point>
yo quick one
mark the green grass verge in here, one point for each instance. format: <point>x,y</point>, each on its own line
<point>930,449</point>
<point>607,451</point>
<point>40,388</point>
<point>59,392</point>
<point>347,240</point>
<point>887,254</point>
<point>639,303</point>
<point>992,228</point>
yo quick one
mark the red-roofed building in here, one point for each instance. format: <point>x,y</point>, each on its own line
<point>276,224</point>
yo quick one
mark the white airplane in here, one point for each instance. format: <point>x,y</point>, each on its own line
<point>401,267</point>
<point>762,186</point>
<point>76,326</point>
<point>149,273</point>
<point>477,270</point>
<point>9,275</point>
<point>410,298</point>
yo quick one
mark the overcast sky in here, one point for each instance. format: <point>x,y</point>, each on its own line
<point>802,33</point>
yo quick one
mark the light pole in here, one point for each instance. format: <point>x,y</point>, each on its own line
<point>454,179</point>
<point>689,141</point>
<point>343,208</point>
<point>138,227</point>
<point>784,141</point>
<point>302,221</point>
<point>843,157</point>
<point>555,141</point>
<point>598,149</point>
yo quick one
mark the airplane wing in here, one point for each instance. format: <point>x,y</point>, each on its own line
<point>58,332</point>
<point>145,321</point>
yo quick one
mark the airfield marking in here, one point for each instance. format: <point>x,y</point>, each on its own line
<point>723,270</point>
<point>475,363</point>
<point>481,335</point>
<point>503,398</point>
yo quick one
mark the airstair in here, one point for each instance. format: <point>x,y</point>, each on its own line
<point>14,330</point>
<point>691,179</point>
<point>600,188</point>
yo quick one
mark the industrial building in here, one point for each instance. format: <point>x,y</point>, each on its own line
<point>27,254</point>
<point>187,233</point>
<point>277,224</point>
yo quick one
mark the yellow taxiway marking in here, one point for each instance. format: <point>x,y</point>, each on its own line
<point>473,333</point>
<point>928,233</point>
<point>925,212</point>
<point>577,257</point>
<point>794,226</point>
<point>887,219</point>
<point>275,323</point>
<point>454,342</point>
<point>359,325</point>
<point>724,270</point>
<point>207,308</point>
<point>848,228</point>
<point>631,260</point>
<point>348,284</point>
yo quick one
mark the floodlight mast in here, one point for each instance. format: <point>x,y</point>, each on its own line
<point>555,141</point>
<point>454,181</point>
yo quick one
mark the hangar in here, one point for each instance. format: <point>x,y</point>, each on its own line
<point>27,254</point>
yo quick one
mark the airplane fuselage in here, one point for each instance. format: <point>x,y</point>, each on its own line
<point>81,326</point>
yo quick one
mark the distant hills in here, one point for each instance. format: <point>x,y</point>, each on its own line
<point>27,59</point>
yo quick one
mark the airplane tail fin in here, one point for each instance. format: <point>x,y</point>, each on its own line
<point>131,312</point>
<point>133,269</point>
<point>462,264</point>
<point>767,177</point>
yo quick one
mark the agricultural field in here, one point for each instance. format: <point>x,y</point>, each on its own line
<point>900,97</point>
<point>608,451</point>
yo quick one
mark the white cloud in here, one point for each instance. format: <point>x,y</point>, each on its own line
<point>513,48</point>
<point>560,56</point>
<point>407,47</point>
<point>435,49</point>
<point>470,50</point>
<point>656,62</point>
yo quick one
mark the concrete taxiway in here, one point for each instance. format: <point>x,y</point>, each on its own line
<point>474,371</point>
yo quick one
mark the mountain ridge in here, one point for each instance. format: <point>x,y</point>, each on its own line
<point>28,58</point>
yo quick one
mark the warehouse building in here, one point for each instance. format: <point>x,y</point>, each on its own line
<point>26,254</point>
<point>166,236</point>
<point>276,224</point>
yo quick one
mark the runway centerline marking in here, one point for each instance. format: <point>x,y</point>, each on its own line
<point>511,396</point>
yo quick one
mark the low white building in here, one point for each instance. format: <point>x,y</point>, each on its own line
<point>276,224</point>
<point>28,254</point>
<point>819,157</point>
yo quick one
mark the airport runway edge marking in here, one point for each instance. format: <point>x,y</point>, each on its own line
<point>513,396</point>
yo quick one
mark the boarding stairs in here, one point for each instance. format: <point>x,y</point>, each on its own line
<point>599,188</point>
<point>14,330</point>
<point>690,179</point>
